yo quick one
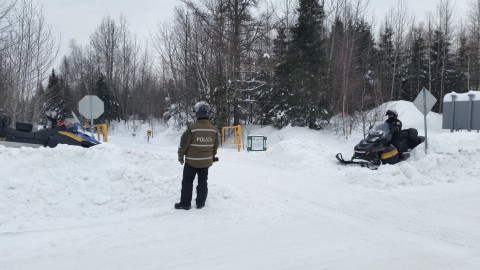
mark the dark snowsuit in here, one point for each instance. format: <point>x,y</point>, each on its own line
<point>395,127</point>
<point>199,144</point>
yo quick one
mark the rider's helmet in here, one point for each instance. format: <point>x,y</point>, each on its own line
<point>69,123</point>
<point>391,114</point>
<point>202,110</point>
<point>5,120</point>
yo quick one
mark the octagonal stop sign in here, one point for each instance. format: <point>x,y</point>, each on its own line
<point>90,106</point>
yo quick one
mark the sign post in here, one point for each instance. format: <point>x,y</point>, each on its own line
<point>424,103</point>
<point>256,143</point>
<point>149,133</point>
<point>91,107</point>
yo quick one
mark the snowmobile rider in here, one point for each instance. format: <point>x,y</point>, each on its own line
<point>198,145</point>
<point>395,126</point>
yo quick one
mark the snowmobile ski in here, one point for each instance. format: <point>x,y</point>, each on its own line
<point>366,164</point>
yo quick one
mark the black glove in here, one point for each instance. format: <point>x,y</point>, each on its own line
<point>181,160</point>
<point>394,129</point>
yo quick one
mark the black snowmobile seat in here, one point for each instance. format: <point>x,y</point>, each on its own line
<point>43,134</point>
<point>27,127</point>
<point>18,133</point>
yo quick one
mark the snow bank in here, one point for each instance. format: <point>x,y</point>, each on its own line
<point>129,173</point>
<point>73,182</point>
<point>462,96</point>
<point>452,157</point>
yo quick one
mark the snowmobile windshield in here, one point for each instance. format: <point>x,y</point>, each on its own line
<point>79,128</point>
<point>73,125</point>
<point>379,132</point>
<point>69,123</point>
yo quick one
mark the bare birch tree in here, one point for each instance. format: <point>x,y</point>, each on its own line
<point>398,20</point>
<point>234,27</point>
<point>444,26</point>
<point>29,58</point>
<point>347,45</point>
<point>104,43</point>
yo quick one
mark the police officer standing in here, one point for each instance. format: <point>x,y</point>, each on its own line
<point>198,147</point>
<point>395,126</point>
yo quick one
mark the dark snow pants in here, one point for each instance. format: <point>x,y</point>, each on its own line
<point>189,173</point>
<point>397,142</point>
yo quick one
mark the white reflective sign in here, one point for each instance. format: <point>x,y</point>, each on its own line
<point>91,106</point>
<point>429,99</point>
<point>257,143</point>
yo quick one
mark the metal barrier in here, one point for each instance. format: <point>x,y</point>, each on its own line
<point>103,128</point>
<point>237,136</point>
<point>461,111</point>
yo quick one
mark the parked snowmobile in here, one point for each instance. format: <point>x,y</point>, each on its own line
<point>376,149</point>
<point>69,132</point>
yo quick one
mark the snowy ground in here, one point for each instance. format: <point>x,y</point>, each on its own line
<point>291,207</point>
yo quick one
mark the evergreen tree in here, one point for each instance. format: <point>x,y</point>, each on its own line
<point>40,105</point>
<point>337,56</point>
<point>385,60</point>
<point>56,97</point>
<point>111,106</point>
<point>280,42</point>
<point>264,79</point>
<point>443,68</point>
<point>271,99</point>
<point>417,67</point>
<point>363,65</point>
<point>392,66</point>
<point>462,65</point>
<point>301,76</point>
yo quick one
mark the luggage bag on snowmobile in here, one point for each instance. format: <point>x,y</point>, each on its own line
<point>411,138</point>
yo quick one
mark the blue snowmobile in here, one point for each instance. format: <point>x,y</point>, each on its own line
<point>67,132</point>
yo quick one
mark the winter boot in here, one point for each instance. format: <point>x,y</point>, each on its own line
<point>200,203</point>
<point>182,206</point>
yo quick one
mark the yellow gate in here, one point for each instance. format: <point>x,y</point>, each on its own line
<point>237,136</point>
<point>103,129</point>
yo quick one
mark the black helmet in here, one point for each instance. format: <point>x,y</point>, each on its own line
<point>202,110</point>
<point>391,113</point>
<point>5,120</point>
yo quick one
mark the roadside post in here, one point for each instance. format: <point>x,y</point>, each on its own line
<point>424,103</point>
<point>149,133</point>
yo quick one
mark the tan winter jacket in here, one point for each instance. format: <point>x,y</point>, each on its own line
<point>199,144</point>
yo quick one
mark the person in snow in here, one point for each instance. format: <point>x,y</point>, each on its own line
<point>395,126</point>
<point>198,147</point>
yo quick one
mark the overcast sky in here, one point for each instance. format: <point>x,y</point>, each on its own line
<point>79,19</point>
